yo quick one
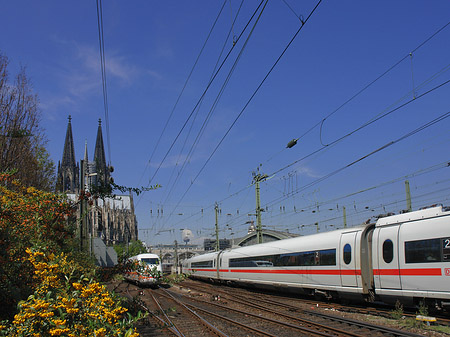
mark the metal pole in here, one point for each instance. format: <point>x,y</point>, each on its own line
<point>408,196</point>
<point>217,227</point>
<point>345,216</point>
<point>176,257</point>
<point>258,213</point>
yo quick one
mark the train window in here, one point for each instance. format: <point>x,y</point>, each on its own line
<point>305,259</point>
<point>388,251</point>
<point>202,264</point>
<point>424,251</point>
<point>150,260</point>
<point>347,253</point>
<point>328,257</point>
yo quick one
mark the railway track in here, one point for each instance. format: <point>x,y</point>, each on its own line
<point>199,309</point>
<point>375,309</point>
<point>291,313</point>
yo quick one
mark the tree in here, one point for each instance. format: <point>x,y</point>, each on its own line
<point>22,140</point>
<point>134,248</point>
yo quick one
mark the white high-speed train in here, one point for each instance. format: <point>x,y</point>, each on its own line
<point>144,269</point>
<point>402,257</point>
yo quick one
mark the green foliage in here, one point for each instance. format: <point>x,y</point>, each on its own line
<point>106,189</point>
<point>423,309</point>
<point>125,251</point>
<point>174,278</point>
<point>47,287</point>
<point>68,302</point>
<point>28,218</point>
<point>397,313</point>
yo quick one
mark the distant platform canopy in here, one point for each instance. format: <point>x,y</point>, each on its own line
<point>268,235</point>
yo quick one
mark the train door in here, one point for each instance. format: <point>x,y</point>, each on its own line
<point>388,272</point>
<point>348,259</point>
<point>218,262</point>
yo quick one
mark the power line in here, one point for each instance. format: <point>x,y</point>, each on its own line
<point>205,123</point>
<point>419,129</point>
<point>250,99</point>
<point>203,94</point>
<point>375,80</point>
<point>418,173</point>
<point>362,127</point>
<point>220,94</point>
<point>184,87</point>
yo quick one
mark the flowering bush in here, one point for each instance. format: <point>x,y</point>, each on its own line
<point>67,304</point>
<point>28,218</point>
<point>45,288</point>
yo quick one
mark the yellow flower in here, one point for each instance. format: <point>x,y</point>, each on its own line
<point>58,332</point>
<point>59,322</point>
<point>100,332</point>
<point>77,286</point>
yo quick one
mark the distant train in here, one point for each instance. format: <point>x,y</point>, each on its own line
<point>403,257</point>
<point>144,269</point>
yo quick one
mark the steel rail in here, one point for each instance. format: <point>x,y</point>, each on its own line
<point>382,329</point>
<point>170,324</point>
<point>372,327</point>
<point>164,323</point>
<point>201,319</point>
<point>285,324</point>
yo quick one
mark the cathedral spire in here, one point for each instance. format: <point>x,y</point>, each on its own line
<point>69,151</point>
<point>99,155</point>
<point>86,157</point>
<point>68,169</point>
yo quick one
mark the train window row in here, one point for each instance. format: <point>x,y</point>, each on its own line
<point>325,257</point>
<point>431,250</point>
<point>202,264</point>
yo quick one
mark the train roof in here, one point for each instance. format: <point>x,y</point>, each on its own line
<point>327,241</point>
<point>144,256</point>
<point>204,257</point>
<point>427,213</point>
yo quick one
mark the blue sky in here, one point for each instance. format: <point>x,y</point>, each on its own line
<point>150,49</point>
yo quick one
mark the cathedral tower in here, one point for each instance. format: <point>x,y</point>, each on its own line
<point>99,157</point>
<point>68,171</point>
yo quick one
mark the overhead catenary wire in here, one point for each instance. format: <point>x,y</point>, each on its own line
<point>183,88</point>
<point>221,92</point>
<point>250,99</point>
<point>414,174</point>
<point>324,148</point>
<point>387,145</point>
<point>388,70</point>
<point>409,134</point>
<point>362,126</point>
<point>205,123</point>
<point>435,33</point>
<point>203,94</point>
<point>375,80</point>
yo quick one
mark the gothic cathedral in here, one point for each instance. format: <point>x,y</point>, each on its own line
<point>111,219</point>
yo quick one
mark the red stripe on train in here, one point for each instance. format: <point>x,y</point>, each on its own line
<point>409,272</point>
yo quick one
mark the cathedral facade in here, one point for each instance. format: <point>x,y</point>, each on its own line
<point>110,219</point>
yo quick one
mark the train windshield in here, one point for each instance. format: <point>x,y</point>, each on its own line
<point>150,260</point>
